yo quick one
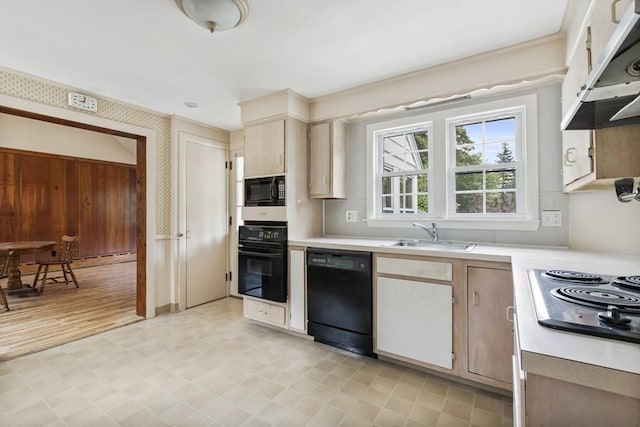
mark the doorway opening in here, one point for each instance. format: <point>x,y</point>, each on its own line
<point>137,272</point>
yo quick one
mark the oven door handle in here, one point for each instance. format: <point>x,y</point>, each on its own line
<point>261,254</point>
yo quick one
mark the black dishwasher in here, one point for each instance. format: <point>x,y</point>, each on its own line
<point>339,299</point>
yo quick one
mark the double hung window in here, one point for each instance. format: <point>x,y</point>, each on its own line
<point>485,166</point>
<point>468,167</point>
<point>404,171</point>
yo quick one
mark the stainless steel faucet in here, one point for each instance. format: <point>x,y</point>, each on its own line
<point>433,232</point>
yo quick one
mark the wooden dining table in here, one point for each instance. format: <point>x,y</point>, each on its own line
<point>16,249</point>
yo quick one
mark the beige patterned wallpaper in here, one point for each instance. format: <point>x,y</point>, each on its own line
<point>47,93</point>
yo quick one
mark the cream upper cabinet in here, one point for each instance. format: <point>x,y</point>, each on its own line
<point>264,149</point>
<point>607,154</point>
<point>327,160</point>
<point>603,23</point>
<point>592,158</point>
<point>577,158</point>
<point>490,325</point>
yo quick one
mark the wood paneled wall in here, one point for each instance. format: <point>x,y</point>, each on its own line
<point>43,196</point>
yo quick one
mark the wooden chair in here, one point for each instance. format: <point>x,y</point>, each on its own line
<point>66,252</point>
<point>4,272</point>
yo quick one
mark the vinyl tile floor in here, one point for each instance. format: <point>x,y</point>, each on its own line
<point>209,366</point>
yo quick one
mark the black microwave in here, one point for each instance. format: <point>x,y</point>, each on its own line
<point>267,191</point>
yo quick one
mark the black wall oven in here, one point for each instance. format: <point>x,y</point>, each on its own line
<point>267,191</point>
<point>262,261</point>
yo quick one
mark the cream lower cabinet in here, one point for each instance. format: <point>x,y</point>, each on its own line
<point>490,325</point>
<point>271,313</point>
<point>297,290</point>
<point>413,313</point>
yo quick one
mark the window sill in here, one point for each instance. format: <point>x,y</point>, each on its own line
<point>458,224</point>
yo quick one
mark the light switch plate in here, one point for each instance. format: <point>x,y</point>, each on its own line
<point>552,218</point>
<point>351,216</point>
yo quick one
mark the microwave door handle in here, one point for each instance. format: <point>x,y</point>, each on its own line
<point>261,254</point>
<point>274,189</point>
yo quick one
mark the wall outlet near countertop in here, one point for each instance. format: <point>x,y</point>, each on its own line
<point>351,216</point>
<point>552,218</point>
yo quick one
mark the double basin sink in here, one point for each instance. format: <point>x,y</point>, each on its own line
<point>444,245</point>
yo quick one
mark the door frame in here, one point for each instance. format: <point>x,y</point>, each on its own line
<point>145,186</point>
<point>183,137</point>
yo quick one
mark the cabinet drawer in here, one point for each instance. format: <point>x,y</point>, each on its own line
<point>415,268</point>
<point>264,312</point>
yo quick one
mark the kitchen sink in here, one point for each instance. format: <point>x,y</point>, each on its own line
<point>445,245</point>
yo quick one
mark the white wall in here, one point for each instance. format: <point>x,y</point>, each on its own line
<point>600,223</point>
<point>22,133</point>
<point>550,184</point>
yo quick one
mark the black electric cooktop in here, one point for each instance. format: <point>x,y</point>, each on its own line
<point>598,305</point>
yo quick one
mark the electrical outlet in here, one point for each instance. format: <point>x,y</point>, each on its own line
<point>552,218</point>
<point>351,216</point>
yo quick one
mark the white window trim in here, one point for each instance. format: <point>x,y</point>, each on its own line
<point>439,161</point>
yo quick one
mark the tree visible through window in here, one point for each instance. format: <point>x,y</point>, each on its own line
<point>403,171</point>
<point>486,166</point>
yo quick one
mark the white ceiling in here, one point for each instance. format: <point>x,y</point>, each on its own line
<point>147,53</point>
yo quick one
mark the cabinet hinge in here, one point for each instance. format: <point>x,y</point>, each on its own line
<point>453,356</point>
<point>453,300</point>
<point>588,46</point>
<point>590,151</point>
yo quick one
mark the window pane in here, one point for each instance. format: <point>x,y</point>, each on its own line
<point>469,133</point>
<point>421,139</point>
<point>386,204</point>
<point>394,162</point>
<point>500,130</point>
<point>469,155</point>
<point>424,157</point>
<point>500,152</point>
<point>469,203</point>
<point>408,202</point>
<point>393,144</point>
<point>466,181</point>
<point>501,179</point>
<point>423,203</point>
<point>386,185</point>
<point>423,184</point>
<point>503,202</point>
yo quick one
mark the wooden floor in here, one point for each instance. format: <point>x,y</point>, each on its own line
<point>105,300</point>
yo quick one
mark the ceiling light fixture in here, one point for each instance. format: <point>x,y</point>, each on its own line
<point>215,15</point>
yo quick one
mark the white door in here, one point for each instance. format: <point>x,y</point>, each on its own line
<point>203,248</point>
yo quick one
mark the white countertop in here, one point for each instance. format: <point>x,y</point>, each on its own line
<point>537,341</point>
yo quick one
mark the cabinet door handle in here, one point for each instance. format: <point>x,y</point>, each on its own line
<point>476,301</point>
<point>569,156</point>
<point>614,18</point>
<point>510,310</point>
